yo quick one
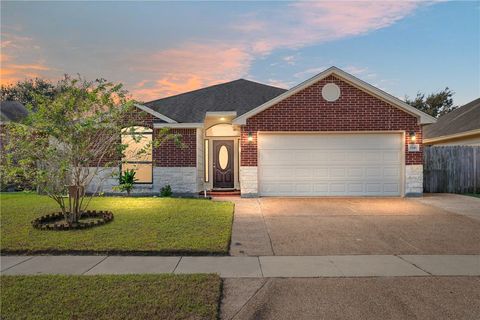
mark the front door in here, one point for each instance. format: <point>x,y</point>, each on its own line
<point>223,163</point>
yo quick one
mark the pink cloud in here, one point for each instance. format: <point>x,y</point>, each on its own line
<point>189,67</point>
<point>313,22</point>
<point>19,60</point>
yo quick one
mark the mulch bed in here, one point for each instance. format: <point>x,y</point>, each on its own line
<point>56,221</point>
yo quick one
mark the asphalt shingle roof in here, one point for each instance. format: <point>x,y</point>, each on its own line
<point>239,95</point>
<point>462,119</point>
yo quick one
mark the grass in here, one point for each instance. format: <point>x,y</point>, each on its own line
<point>140,226</point>
<point>110,297</point>
<point>476,195</point>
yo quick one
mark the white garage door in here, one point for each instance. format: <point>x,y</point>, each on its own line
<point>329,164</point>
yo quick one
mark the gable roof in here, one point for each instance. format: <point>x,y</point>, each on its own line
<point>12,111</point>
<point>462,120</point>
<point>423,117</point>
<point>190,107</point>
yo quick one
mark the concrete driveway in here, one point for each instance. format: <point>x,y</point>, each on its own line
<point>438,224</point>
<point>352,298</point>
<point>337,226</point>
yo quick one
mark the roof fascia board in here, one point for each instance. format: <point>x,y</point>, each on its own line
<point>423,117</point>
<point>154,113</point>
<point>452,136</point>
<point>178,125</point>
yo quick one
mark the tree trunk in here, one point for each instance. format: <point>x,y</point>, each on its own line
<point>75,194</point>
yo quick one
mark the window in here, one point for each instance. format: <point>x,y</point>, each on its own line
<point>138,153</point>
<point>206,164</point>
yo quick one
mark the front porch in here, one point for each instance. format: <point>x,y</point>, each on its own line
<point>220,158</point>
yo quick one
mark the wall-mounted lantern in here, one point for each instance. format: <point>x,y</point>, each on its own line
<point>413,136</point>
<point>412,145</point>
<point>250,137</point>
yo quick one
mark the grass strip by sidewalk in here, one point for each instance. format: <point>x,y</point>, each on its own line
<point>110,297</point>
<point>146,225</point>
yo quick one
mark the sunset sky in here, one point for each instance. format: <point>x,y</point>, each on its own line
<point>163,48</point>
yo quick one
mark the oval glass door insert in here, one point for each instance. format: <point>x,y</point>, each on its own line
<point>223,157</point>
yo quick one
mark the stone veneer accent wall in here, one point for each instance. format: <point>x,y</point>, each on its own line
<point>355,110</point>
<point>413,180</point>
<point>248,181</point>
<point>183,180</point>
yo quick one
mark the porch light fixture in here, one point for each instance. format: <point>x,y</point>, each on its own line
<point>222,119</point>
<point>250,137</point>
<point>413,136</point>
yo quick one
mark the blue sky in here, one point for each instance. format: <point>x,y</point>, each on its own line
<point>163,48</point>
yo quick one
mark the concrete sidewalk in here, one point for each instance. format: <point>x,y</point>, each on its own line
<point>250,267</point>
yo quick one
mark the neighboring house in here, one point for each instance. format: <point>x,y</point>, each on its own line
<point>12,111</point>
<point>461,127</point>
<point>332,135</point>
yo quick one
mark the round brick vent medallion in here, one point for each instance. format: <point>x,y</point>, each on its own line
<point>330,92</point>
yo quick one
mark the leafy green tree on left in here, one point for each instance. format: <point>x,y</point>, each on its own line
<point>69,137</point>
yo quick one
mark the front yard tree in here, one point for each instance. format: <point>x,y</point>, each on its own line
<point>68,138</point>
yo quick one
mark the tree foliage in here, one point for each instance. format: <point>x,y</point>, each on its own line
<point>435,104</point>
<point>27,91</point>
<point>69,138</point>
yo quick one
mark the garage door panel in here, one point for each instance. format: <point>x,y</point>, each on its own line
<point>271,173</point>
<point>332,188</point>
<point>391,188</point>
<point>355,172</point>
<point>329,141</point>
<point>391,172</point>
<point>337,172</point>
<point>373,172</point>
<point>355,188</point>
<point>329,164</point>
<point>320,172</point>
<point>391,156</point>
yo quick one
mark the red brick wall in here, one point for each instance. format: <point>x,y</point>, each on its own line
<point>140,118</point>
<point>170,155</point>
<point>306,110</point>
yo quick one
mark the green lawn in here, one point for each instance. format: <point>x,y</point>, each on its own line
<point>110,297</point>
<point>476,195</point>
<point>140,225</point>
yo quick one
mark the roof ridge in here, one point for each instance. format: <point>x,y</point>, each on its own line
<point>212,86</point>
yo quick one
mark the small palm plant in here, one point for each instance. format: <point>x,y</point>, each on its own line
<point>127,180</point>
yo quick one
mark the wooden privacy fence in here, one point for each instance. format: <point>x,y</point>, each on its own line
<point>452,169</point>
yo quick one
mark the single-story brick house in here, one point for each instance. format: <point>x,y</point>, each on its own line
<point>332,135</point>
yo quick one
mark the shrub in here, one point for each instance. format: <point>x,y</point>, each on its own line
<point>127,181</point>
<point>166,191</point>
